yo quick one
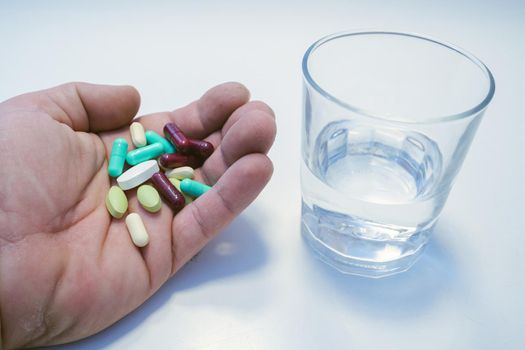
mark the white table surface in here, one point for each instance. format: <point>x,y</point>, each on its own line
<point>257,286</point>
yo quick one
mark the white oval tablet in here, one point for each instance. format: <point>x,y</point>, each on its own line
<point>137,230</point>
<point>138,174</point>
<point>184,172</point>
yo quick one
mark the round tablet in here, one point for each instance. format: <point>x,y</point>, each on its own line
<point>149,198</point>
<point>138,174</point>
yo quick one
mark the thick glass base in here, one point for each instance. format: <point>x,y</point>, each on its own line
<point>339,242</point>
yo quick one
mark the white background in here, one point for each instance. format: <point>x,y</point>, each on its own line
<point>257,286</point>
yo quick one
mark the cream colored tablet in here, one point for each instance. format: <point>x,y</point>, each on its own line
<point>137,230</point>
<point>137,134</point>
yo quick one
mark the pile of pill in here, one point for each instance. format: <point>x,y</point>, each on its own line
<point>176,154</point>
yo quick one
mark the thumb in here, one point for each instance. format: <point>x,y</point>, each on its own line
<point>84,106</point>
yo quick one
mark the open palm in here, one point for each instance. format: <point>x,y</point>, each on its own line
<point>67,269</point>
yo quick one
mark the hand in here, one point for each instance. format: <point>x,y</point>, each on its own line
<point>69,270</point>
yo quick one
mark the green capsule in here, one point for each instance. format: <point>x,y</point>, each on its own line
<point>193,188</point>
<point>145,153</point>
<point>152,137</point>
<point>117,157</point>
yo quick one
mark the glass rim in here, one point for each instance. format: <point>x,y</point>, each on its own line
<point>368,113</point>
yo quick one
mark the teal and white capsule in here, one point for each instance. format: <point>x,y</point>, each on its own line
<point>153,137</point>
<point>193,188</point>
<point>145,153</point>
<point>117,157</point>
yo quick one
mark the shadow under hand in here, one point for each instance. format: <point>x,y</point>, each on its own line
<point>406,294</point>
<point>237,250</point>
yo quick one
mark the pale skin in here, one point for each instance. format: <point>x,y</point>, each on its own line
<point>69,270</point>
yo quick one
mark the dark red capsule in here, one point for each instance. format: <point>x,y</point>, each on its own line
<point>173,197</point>
<point>176,137</point>
<point>202,149</point>
<point>175,160</point>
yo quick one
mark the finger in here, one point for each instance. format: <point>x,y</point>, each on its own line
<point>83,106</point>
<point>210,112</point>
<point>157,254</point>
<point>203,117</point>
<point>200,221</point>
<point>253,132</point>
<point>239,112</point>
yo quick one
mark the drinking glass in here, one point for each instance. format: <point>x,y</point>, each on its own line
<point>388,119</point>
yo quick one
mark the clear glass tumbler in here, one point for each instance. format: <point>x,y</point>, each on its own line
<point>388,119</point>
